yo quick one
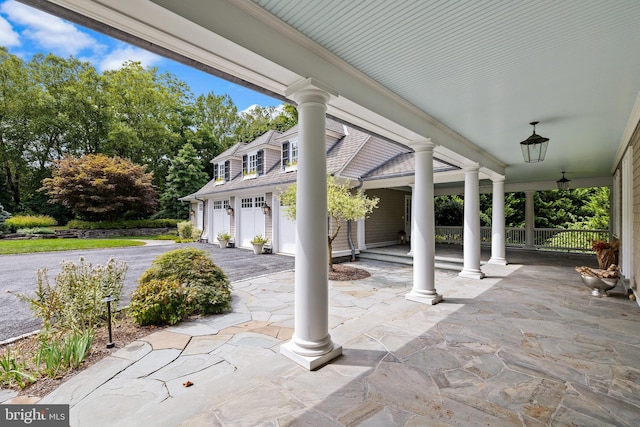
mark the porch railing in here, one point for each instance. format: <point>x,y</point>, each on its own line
<point>543,238</point>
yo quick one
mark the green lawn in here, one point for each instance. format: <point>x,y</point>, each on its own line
<point>49,245</point>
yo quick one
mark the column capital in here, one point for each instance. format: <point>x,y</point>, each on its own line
<point>471,167</point>
<point>496,179</point>
<point>424,144</point>
<point>310,89</point>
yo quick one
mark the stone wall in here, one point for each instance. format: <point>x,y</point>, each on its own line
<point>98,234</point>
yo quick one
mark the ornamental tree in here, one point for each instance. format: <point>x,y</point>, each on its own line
<point>100,188</point>
<point>343,205</point>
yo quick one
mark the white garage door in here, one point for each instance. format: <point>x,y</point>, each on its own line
<point>286,233</point>
<point>251,220</point>
<point>219,220</point>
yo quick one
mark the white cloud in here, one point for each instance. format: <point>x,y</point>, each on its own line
<point>8,37</point>
<point>123,53</point>
<point>47,31</point>
<point>279,109</point>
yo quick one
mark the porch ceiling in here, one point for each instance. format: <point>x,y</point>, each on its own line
<point>470,75</point>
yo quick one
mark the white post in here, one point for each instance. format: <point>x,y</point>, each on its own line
<point>275,223</point>
<point>471,231</point>
<point>498,252</point>
<point>311,345</point>
<point>529,219</point>
<point>236,218</point>
<point>413,214</point>
<point>423,234</point>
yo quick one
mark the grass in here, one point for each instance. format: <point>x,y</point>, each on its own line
<point>8,247</point>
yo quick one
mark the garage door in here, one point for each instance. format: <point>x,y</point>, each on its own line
<point>286,233</point>
<point>251,219</point>
<point>219,220</point>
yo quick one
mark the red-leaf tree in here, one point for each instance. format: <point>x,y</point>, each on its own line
<point>98,187</point>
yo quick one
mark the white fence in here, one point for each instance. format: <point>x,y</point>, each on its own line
<point>543,238</point>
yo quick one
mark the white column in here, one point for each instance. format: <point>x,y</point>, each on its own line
<point>413,214</point>
<point>498,252</point>
<point>423,234</point>
<point>311,345</point>
<point>529,219</point>
<point>471,231</point>
<point>275,223</point>
<point>236,218</point>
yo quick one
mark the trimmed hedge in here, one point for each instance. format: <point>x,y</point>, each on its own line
<point>113,225</point>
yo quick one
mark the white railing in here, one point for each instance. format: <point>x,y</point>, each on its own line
<point>543,238</point>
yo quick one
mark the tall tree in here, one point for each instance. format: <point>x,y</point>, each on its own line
<point>342,205</point>
<point>215,120</point>
<point>186,176</point>
<point>258,120</point>
<point>147,116</point>
<point>14,92</point>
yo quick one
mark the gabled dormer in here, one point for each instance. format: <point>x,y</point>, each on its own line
<point>260,155</point>
<point>226,165</point>
<point>289,144</point>
<point>253,164</point>
<point>222,172</point>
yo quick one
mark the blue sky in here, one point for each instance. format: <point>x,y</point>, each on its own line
<point>25,31</point>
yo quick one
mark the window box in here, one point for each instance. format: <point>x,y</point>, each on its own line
<point>250,175</point>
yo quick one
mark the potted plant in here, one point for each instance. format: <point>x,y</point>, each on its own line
<point>223,239</point>
<point>258,243</point>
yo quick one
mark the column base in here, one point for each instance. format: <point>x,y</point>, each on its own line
<point>471,274</point>
<point>497,260</point>
<point>309,362</point>
<point>432,299</point>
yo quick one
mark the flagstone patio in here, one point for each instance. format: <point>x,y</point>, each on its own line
<point>526,346</point>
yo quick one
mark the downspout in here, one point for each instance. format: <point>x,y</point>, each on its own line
<point>349,237</point>
<point>202,229</point>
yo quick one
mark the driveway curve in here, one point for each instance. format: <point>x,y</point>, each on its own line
<point>18,273</point>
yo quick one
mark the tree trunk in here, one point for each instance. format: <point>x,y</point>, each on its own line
<point>331,239</point>
<point>13,186</point>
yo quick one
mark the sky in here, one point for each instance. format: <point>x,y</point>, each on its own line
<point>25,31</point>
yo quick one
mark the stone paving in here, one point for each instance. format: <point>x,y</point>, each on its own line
<point>526,346</point>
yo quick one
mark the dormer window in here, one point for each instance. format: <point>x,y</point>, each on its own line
<point>290,156</point>
<point>253,164</point>
<point>221,172</point>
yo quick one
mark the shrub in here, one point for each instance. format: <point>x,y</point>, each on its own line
<point>4,215</point>
<point>189,282</point>
<point>159,302</point>
<point>31,221</point>
<point>74,301</point>
<point>186,231</point>
<point>112,225</point>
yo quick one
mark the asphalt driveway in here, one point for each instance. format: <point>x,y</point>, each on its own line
<point>18,274</point>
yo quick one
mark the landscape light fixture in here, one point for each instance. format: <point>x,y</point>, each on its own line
<point>535,147</point>
<point>563,183</point>
<point>108,300</point>
<point>266,209</point>
<point>229,210</point>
